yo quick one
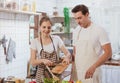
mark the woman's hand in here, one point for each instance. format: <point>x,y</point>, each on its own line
<point>66,60</point>
<point>90,72</point>
<point>47,62</point>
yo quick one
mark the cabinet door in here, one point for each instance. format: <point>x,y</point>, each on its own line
<point>110,74</point>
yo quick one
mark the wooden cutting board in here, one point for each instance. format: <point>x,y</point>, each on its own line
<point>59,68</point>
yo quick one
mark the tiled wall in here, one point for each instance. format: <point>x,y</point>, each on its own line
<point>16,27</point>
<point>46,6</point>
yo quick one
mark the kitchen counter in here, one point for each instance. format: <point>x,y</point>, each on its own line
<point>112,62</point>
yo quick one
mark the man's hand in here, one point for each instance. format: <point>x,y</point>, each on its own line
<point>90,72</point>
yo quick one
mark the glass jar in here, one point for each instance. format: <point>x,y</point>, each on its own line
<point>12,4</point>
<point>2,2</point>
<point>25,5</point>
<point>8,4</point>
<point>15,4</point>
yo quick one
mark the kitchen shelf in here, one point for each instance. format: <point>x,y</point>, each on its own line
<point>18,11</point>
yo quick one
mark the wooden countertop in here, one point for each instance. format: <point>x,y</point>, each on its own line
<point>112,62</point>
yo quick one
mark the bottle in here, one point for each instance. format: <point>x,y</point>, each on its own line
<point>33,6</point>
<point>15,4</point>
<point>79,81</point>
<point>25,6</point>
<point>2,3</point>
<point>66,20</point>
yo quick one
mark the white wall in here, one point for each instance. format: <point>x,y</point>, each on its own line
<point>46,6</point>
<point>16,27</point>
<point>108,15</point>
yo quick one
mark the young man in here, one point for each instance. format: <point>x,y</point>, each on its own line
<point>91,46</point>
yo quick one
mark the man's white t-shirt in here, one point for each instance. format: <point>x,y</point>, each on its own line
<point>95,33</point>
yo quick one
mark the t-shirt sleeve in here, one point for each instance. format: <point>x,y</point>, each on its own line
<point>103,37</point>
<point>60,41</point>
<point>33,44</point>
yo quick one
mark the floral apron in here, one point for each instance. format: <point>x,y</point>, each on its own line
<point>42,72</point>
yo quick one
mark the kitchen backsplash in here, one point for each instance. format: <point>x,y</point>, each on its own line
<point>16,27</point>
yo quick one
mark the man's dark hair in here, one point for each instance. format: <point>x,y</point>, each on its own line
<point>82,8</point>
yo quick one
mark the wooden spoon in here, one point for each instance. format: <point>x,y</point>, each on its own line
<point>54,77</point>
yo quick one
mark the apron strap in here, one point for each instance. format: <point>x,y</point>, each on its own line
<point>79,33</point>
<point>57,57</point>
<point>52,43</point>
<point>41,42</point>
<point>51,40</point>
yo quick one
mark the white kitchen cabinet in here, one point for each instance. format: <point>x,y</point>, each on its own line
<point>110,74</point>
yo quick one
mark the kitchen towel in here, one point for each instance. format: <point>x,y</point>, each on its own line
<point>11,51</point>
<point>3,42</point>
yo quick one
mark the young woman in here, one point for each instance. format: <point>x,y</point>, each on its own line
<point>44,49</point>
